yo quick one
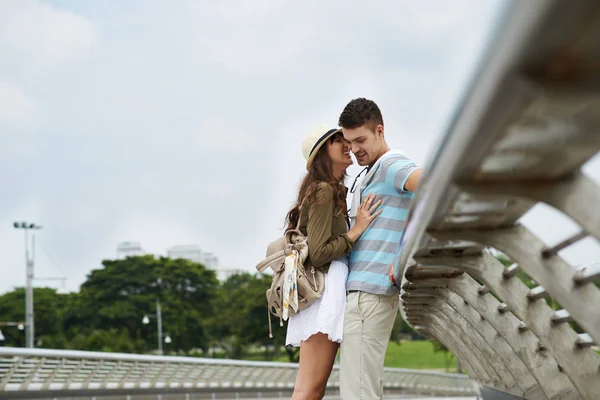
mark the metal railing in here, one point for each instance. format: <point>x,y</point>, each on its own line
<point>528,123</point>
<point>41,373</point>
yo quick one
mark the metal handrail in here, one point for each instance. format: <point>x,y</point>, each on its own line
<point>45,372</point>
<point>521,137</point>
<point>500,60</point>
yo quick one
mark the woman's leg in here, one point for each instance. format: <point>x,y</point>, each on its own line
<point>317,355</point>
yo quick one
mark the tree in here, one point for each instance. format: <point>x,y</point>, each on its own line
<point>241,317</point>
<point>119,295</point>
<point>401,329</point>
<point>48,311</point>
<point>448,355</point>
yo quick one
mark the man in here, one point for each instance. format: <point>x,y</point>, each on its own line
<point>372,300</point>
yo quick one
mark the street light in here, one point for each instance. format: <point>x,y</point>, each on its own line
<point>20,326</point>
<point>29,320</point>
<point>168,339</point>
<point>158,317</point>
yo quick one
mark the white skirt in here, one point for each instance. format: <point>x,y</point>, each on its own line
<point>325,315</point>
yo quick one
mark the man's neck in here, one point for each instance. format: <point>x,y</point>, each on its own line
<point>385,149</point>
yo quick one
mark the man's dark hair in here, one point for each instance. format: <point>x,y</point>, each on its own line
<point>360,112</point>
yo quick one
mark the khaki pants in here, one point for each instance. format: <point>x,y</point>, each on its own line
<point>368,324</point>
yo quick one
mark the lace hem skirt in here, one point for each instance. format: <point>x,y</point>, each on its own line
<point>325,315</point>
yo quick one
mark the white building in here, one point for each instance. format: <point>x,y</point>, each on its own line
<point>187,252</point>
<point>223,273</point>
<point>129,249</point>
<point>211,261</point>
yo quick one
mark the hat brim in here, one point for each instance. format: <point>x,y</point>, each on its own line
<point>320,144</point>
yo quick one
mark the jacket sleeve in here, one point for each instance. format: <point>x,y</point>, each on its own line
<point>322,247</point>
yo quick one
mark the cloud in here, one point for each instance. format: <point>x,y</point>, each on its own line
<point>254,36</point>
<point>214,135</point>
<point>16,107</point>
<point>186,126</point>
<point>267,36</point>
<point>47,36</point>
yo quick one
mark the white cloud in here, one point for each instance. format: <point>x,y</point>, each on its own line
<point>126,133</point>
<point>263,37</point>
<point>47,36</point>
<point>431,17</point>
<point>15,106</point>
<point>220,190</point>
<point>254,36</point>
<point>214,135</point>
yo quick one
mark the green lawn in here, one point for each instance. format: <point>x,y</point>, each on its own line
<point>409,354</point>
<point>417,354</point>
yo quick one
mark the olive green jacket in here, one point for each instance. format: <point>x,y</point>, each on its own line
<point>325,226</point>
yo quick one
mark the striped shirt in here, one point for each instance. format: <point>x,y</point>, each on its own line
<point>375,250</point>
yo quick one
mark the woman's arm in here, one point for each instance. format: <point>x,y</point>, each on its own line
<point>322,247</point>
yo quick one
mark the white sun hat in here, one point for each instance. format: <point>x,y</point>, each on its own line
<point>314,139</point>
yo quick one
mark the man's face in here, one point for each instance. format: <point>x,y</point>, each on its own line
<point>367,144</point>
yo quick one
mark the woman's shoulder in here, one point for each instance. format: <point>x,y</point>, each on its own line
<point>324,192</point>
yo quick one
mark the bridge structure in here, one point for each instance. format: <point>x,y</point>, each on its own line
<point>526,127</point>
<point>59,374</point>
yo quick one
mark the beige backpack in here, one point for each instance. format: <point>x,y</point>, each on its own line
<point>310,280</point>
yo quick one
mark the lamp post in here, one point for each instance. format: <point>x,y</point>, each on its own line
<point>20,326</point>
<point>158,317</point>
<point>29,319</point>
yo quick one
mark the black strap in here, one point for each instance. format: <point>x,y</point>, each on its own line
<point>325,136</point>
<point>352,189</point>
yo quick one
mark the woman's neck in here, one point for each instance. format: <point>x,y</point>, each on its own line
<point>338,172</point>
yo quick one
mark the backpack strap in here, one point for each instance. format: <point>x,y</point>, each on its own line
<point>275,257</point>
<point>262,266</point>
<point>299,214</point>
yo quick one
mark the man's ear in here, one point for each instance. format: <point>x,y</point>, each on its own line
<point>380,130</point>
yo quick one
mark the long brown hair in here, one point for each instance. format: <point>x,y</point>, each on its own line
<point>321,171</point>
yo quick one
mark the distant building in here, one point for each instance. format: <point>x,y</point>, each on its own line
<point>223,273</point>
<point>211,261</point>
<point>129,249</point>
<point>187,252</point>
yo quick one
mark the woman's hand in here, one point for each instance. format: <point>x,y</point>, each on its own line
<point>366,214</point>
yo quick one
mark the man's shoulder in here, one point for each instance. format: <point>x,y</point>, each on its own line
<point>394,157</point>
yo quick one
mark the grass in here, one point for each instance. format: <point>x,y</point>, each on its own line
<point>416,354</point>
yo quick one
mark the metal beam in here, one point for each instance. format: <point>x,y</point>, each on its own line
<point>580,365</point>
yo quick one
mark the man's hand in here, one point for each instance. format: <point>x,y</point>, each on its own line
<point>391,276</point>
<point>413,180</point>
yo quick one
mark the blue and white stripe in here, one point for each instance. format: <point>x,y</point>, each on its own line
<point>375,250</point>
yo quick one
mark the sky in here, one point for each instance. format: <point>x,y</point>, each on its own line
<point>181,122</point>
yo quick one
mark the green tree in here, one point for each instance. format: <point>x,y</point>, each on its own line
<point>402,329</point>
<point>448,355</point>
<point>241,318</point>
<point>117,296</point>
<point>48,308</point>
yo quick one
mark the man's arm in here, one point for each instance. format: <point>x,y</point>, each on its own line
<point>413,180</point>
<point>410,186</point>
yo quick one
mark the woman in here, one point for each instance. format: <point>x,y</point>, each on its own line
<point>322,195</point>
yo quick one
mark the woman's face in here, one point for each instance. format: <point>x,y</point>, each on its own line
<point>338,150</point>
